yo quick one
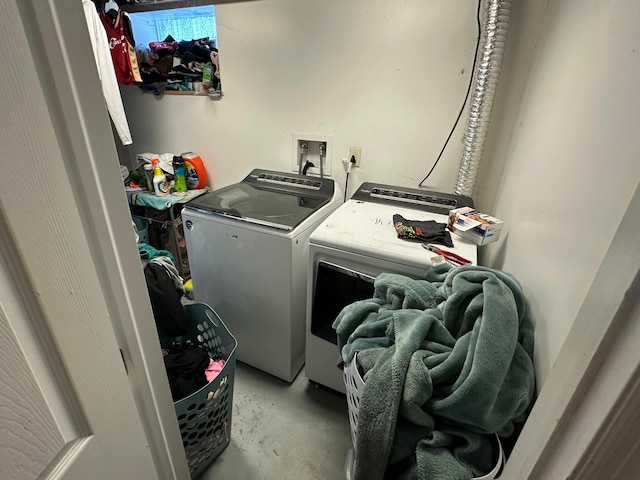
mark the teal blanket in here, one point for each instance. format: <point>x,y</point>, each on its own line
<point>447,362</point>
<point>147,252</point>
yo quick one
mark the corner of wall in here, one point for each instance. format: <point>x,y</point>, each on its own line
<point>522,40</point>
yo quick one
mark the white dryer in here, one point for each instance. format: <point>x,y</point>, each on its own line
<point>248,254</point>
<point>351,247</point>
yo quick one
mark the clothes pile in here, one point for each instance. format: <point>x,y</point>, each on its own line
<point>447,363</point>
<point>170,64</point>
<point>189,367</point>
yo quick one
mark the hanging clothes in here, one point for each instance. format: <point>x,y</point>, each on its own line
<point>167,309</point>
<point>172,272</point>
<point>122,45</point>
<point>106,73</point>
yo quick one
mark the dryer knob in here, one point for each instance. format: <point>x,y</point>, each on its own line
<point>189,225</point>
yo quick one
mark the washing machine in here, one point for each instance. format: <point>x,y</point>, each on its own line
<point>248,254</point>
<point>351,247</point>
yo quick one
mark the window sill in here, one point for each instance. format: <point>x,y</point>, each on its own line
<point>179,92</point>
<point>184,93</point>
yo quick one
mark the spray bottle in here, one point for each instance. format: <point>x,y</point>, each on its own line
<point>160,184</point>
<point>180,184</point>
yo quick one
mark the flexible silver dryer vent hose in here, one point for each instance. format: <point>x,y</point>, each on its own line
<point>484,88</point>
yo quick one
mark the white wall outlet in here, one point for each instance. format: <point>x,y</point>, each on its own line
<point>355,152</point>
<point>306,147</point>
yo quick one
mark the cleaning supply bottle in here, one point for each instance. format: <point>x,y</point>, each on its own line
<point>180,184</point>
<point>148,175</point>
<point>160,184</point>
<point>195,172</point>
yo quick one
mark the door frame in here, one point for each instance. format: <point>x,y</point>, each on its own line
<point>593,382</point>
<point>61,48</point>
<point>562,429</point>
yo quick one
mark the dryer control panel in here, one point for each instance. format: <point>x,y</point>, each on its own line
<point>425,200</point>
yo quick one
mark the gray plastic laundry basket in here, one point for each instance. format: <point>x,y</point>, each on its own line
<point>142,227</point>
<point>204,417</point>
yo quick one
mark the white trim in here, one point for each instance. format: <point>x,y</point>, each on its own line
<point>62,49</point>
<point>66,458</point>
<point>19,304</point>
<point>619,373</point>
<point>582,389</point>
<point>614,452</point>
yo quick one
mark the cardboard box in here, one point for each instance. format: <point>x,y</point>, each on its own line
<point>474,226</point>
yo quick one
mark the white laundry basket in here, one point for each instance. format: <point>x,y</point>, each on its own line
<point>354,384</point>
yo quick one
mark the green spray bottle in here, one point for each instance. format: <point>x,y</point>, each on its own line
<point>180,184</point>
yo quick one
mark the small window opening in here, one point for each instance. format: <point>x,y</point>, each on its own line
<point>178,50</point>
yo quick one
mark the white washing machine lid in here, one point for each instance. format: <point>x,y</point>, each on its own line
<point>366,228</point>
<point>268,198</point>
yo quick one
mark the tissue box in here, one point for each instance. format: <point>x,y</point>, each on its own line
<point>474,226</point>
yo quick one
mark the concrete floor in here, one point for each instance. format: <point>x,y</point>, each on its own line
<point>284,432</point>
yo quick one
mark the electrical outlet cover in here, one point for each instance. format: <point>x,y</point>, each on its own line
<point>355,152</point>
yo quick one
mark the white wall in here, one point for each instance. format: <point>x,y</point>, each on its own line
<point>383,75</point>
<point>560,163</point>
<point>573,161</point>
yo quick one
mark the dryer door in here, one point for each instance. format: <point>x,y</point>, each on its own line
<point>336,287</point>
<point>336,279</point>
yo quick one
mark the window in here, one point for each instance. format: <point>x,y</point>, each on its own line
<point>186,24</point>
<point>178,50</point>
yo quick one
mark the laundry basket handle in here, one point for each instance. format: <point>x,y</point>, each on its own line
<point>214,318</point>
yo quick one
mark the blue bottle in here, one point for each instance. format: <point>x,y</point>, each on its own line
<point>180,184</point>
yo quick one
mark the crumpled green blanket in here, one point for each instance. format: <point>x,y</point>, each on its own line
<point>447,362</point>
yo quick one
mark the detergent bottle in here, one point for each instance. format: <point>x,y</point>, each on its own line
<point>180,184</point>
<point>160,184</point>
<point>196,174</point>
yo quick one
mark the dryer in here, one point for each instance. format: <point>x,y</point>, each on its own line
<point>351,247</point>
<point>248,251</point>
